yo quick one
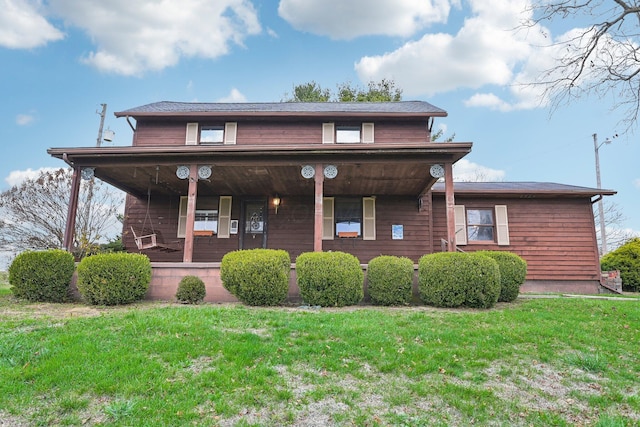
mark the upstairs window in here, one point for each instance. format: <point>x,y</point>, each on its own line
<point>347,134</point>
<point>351,134</point>
<point>212,135</point>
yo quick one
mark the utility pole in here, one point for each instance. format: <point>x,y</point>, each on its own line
<point>603,233</point>
<point>102,114</point>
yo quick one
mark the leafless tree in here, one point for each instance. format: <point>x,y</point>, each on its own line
<point>33,214</point>
<point>614,219</point>
<point>601,59</point>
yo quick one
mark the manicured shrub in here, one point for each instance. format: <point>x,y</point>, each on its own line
<point>42,275</point>
<point>513,273</point>
<point>454,279</point>
<point>330,279</point>
<point>390,280</point>
<point>191,290</point>
<point>626,259</point>
<point>257,276</point>
<point>114,278</point>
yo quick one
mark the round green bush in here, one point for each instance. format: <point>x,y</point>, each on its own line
<point>257,276</point>
<point>390,280</point>
<point>114,278</point>
<point>626,259</point>
<point>330,279</point>
<point>513,273</point>
<point>43,276</point>
<point>454,279</point>
<point>191,290</point>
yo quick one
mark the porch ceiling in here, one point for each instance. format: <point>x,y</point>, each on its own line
<point>253,171</point>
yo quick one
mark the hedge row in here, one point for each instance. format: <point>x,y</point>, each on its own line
<point>336,279</point>
<point>261,277</point>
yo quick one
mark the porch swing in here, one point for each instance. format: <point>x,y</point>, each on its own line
<point>147,238</point>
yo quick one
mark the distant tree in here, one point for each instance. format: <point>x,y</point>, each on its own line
<point>602,58</point>
<point>310,92</point>
<point>384,90</point>
<point>439,133</point>
<point>33,214</point>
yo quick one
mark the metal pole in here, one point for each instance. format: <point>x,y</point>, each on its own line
<point>603,233</point>
<point>102,114</point>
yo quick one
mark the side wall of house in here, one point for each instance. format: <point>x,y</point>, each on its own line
<point>555,236</point>
<point>168,132</point>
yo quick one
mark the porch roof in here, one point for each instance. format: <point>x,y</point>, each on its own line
<point>243,170</point>
<point>524,190</point>
<point>288,109</point>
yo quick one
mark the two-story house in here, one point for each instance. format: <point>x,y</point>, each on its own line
<point>203,179</point>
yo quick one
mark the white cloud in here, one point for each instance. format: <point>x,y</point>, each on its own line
<point>485,51</point>
<point>339,19</point>
<point>637,182</point>
<point>234,96</point>
<point>466,171</point>
<point>22,25</point>
<point>134,37</point>
<point>24,119</point>
<point>17,177</point>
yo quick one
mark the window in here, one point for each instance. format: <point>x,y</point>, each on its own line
<point>350,134</point>
<point>347,134</point>
<point>348,217</point>
<point>210,135</point>
<point>481,225</point>
<point>212,215</point>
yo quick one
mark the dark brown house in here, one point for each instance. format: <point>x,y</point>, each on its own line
<point>205,179</point>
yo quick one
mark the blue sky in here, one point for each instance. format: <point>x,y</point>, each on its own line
<point>61,59</point>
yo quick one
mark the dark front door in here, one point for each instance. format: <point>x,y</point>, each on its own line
<point>254,224</point>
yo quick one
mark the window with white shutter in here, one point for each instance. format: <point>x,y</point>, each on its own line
<point>460,224</point>
<point>230,132</point>
<point>224,215</point>
<point>502,225</point>
<point>368,218</point>
<point>367,133</point>
<point>327,218</point>
<point>192,134</point>
<point>328,133</point>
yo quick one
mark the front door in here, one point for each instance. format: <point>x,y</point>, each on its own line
<point>254,226</point>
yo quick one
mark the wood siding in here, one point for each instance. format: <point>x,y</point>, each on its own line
<point>290,229</point>
<point>165,133</point>
<point>555,236</point>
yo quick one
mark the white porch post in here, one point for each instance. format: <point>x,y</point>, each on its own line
<point>450,203</point>
<point>317,227</point>
<point>191,213</point>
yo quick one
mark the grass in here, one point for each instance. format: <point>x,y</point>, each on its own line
<point>535,362</point>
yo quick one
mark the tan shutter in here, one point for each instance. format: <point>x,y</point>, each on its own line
<point>502,225</point>
<point>192,134</point>
<point>461,224</point>
<point>182,217</point>
<point>368,218</point>
<point>367,133</point>
<point>224,217</point>
<point>328,133</point>
<point>230,132</point>
<point>327,218</point>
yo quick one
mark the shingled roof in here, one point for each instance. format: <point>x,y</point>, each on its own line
<point>401,108</point>
<point>522,189</point>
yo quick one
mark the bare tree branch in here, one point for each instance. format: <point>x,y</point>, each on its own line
<point>602,59</point>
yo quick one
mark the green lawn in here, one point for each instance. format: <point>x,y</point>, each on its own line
<point>535,362</point>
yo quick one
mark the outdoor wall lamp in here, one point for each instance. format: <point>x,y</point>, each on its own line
<point>276,202</point>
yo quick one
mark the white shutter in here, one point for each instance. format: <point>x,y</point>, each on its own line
<point>192,134</point>
<point>327,218</point>
<point>461,224</point>
<point>502,225</point>
<point>368,218</point>
<point>230,132</point>
<point>367,133</point>
<point>182,217</point>
<point>224,217</point>
<point>328,133</point>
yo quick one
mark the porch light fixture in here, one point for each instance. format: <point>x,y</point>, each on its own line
<point>276,202</point>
